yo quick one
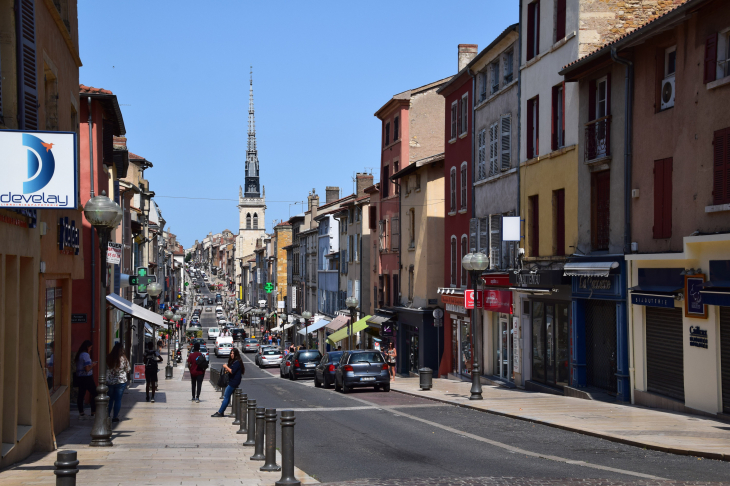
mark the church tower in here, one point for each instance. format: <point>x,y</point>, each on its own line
<point>252,200</point>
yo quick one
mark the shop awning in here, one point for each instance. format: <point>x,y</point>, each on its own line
<point>378,319</point>
<point>287,326</point>
<point>660,290</point>
<point>149,330</point>
<point>716,291</point>
<point>338,322</point>
<point>276,329</point>
<point>135,310</point>
<point>317,325</point>
<point>589,269</point>
<point>345,332</point>
<point>247,310</point>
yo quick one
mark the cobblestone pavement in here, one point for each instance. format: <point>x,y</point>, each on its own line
<point>508,481</point>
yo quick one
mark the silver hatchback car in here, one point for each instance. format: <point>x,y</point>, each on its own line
<point>270,357</point>
<point>250,345</point>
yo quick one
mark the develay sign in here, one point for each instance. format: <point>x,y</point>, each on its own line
<point>39,170</point>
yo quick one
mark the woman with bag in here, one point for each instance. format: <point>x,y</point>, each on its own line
<point>116,379</point>
<point>85,377</point>
<point>235,370</point>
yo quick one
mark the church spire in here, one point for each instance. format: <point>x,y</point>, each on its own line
<point>252,158</point>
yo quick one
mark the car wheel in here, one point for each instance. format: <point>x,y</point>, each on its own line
<point>317,383</point>
<point>345,388</point>
<point>385,388</point>
<point>292,376</point>
<point>337,385</point>
<point>377,387</point>
<point>325,383</point>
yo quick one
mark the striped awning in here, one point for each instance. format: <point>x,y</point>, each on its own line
<point>589,269</point>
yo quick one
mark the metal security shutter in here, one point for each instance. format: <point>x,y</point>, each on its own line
<point>725,357</point>
<point>664,353</point>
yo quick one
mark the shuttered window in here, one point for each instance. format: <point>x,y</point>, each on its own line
<point>453,120</point>
<point>534,224</point>
<point>600,209</point>
<point>483,242</point>
<point>710,68</point>
<point>664,352</point>
<point>396,128</point>
<point>533,132</point>
<point>473,234</point>
<point>27,69</point>
<point>464,114</point>
<point>464,251</point>
<point>559,222</point>
<point>506,141</point>
<point>372,215</point>
<point>721,167</point>
<point>453,275</point>
<point>395,233</point>
<point>495,241</point>
<point>463,186</point>
<point>482,157</point>
<point>493,148</point>
<point>533,29</point>
<point>387,134</point>
<point>559,19</point>
<point>452,192</point>
<point>663,198</point>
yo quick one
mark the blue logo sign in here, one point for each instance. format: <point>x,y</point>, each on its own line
<point>68,235</point>
<point>40,171</point>
<point>653,300</point>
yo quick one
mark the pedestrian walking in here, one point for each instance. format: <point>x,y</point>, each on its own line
<point>197,371</point>
<point>151,358</point>
<point>391,356</point>
<point>235,370</point>
<point>117,371</point>
<point>85,377</point>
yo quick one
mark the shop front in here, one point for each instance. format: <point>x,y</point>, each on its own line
<point>416,340</point>
<point>543,297</point>
<point>501,335</point>
<point>457,322</point>
<point>599,357</point>
<point>679,321</point>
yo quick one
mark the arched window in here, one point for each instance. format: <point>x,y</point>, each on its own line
<point>248,220</point>
<point>454,265</point>
<point>255,221</point>
<point>464,251</point>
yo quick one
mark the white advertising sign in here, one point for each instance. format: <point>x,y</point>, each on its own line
<point>114,253</point>
<point>279,304</point>
<point>510,228</point>
<point>293,297</point>
<point>39,170</point>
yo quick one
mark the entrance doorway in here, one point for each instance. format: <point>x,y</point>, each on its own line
<point>550,343</point>
<point>413,351</point>
<point>503,343</point>
<point>601,345</point>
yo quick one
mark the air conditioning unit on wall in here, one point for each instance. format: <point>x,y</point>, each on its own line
<point>667,92</point>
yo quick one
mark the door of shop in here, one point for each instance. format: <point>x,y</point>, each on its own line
<point>412,337</point>
<point>601,344</point>
<point>503,348</point>
<point>550,343</point>
<point>725,356</point>
<point>664,352</point>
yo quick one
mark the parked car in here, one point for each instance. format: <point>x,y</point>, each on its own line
<point>364,367</point>
<point>261,349</point>
<point>223,349</point>
<point>208,309</point>
<point>250,345</point>
<point>213,332</point>
<point>302,363</point>
<point>324,373</point>
<point>270,357</point>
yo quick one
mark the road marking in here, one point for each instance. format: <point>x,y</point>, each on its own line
<point>373,407</point>
<point>501,445</point>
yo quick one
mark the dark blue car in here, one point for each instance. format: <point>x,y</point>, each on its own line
<point>324,374</point>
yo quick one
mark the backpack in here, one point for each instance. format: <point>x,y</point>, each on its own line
<point>150,359</point>
<point>201,363</point>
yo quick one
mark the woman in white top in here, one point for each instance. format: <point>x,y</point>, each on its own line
<point>117,368</point>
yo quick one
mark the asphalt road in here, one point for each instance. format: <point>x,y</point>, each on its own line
<point>381,435</point>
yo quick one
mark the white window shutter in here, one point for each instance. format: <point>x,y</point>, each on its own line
<point>506,141</point>
<point>484,236</point>
<point>473,231</point>
<point>482,154</point>
<point>356,291</point>
<point>495,240</point>
<point>349,288</point>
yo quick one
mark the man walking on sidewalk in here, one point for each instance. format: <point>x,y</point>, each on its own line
<point>196,374</point>
<point>151,358</point>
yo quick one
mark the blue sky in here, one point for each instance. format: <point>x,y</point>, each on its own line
<point>180,71</point>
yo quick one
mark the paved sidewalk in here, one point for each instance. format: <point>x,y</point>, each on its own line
<point>171,442</point>
<point>494,481</point>
<point>660,430</point>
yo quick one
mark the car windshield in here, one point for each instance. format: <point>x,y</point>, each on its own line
<point>270,352</point>
<point>251,341</point>
<point>306,356</point>
<point>334,357</point>
<point>213,329</point>
<point>373,357</point>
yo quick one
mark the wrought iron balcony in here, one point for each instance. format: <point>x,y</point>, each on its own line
<point>598,136</point>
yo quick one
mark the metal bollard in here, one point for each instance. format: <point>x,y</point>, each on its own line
<point>270,447</point>
<point>258,453</point>
<point>235,404</point>
<point>66,470</point>
<point>287,450</point>
<point>243,408</point>
<point>251,424</point>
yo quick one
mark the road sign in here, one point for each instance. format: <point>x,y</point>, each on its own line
<point>269,287</point>
<point>114,253</point>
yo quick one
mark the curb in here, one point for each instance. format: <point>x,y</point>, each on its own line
<point>613,438</point>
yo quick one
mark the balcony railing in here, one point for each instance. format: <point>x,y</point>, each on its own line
<point>598,136</point>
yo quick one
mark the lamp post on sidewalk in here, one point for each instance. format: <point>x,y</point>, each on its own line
<point>176,318</point>
<point>104,215</point>
<point>475,264</point>
<point>168,369</point>
<point>351,303</point>
<point>306,315</point>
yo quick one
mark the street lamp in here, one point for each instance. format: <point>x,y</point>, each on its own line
<point>104,215</point>
<point>475,264</point>
<point>175,318</point>
<point>351,303</point>
<point>306,315</point>
<point>168,369</point>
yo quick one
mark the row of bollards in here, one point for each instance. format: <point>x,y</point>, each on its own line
<point>259,425</point>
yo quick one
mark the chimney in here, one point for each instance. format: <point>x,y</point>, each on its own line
<point>363,182</point>
<point>467,52</point>
<point>313,203</point>
<point>333,194</point>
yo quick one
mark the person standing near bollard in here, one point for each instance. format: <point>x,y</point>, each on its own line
<point>196,375</point>
<point>85,377</point>
<point>235,370</point>
<point>117,368</point>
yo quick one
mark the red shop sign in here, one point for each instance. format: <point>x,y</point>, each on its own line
<point>473,299</point>
<point>498,301</point>
<point>496,280</point>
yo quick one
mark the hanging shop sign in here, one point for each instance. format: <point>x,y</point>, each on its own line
<point>693,306</point>
<point>541,278</point>
<point>68,236</point>
<point>697,337</point>
<point>39,170</point>
<point>496,280</point>
<point>454,303</point>
<point>498,301</point>
<point>473,299</point>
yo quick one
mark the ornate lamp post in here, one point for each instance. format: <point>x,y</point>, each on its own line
<point>168,369</point>
<point>475,264</point>
<point>351,303</point>
<point>306,315</point>
<point>104,215</point>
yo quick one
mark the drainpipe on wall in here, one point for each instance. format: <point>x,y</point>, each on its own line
<point>519,125</point>
<point>628,113</point>
<point>91,195</point>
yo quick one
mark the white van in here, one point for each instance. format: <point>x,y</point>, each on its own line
<point>223,339</point>
<point>213,332</point>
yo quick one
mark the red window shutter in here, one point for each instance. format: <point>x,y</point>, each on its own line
<point>537,125</point>
<point>458,118</point>
<point>560,20</point>
<point>592,100</point>
<point>721,167</point>
<point>530,128</point>
<point>530,31</point>
<point>563,118</point>
<point>554,120</point>
<point>710,58</point>
<point>667,203</point>
<point>27,69</point>
<point>560,222</point>
<point>372,215</point>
